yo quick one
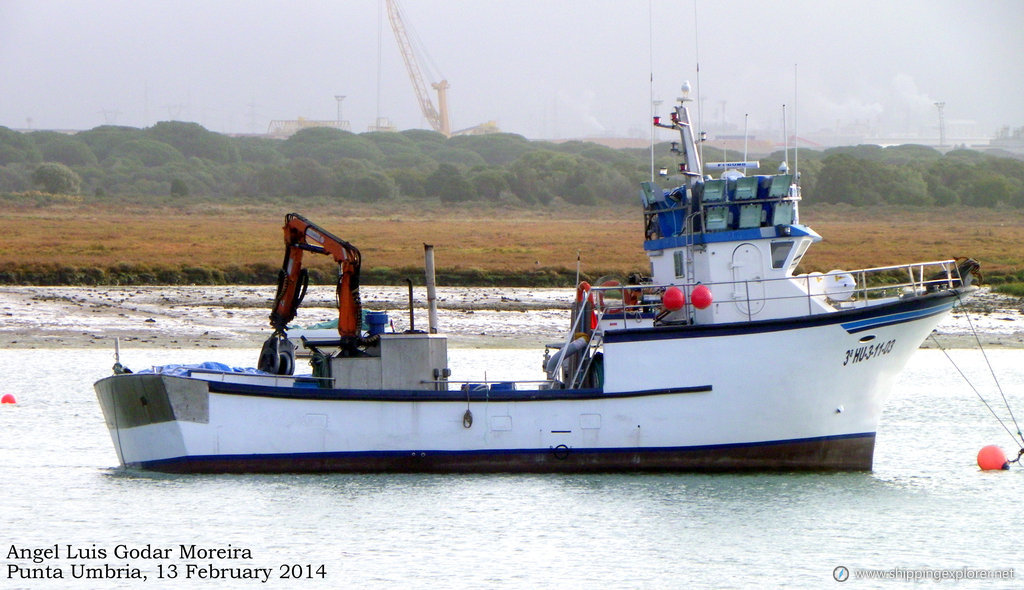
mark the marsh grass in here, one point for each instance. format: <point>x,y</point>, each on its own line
<point>127,242</point>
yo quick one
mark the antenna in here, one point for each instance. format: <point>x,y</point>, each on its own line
<point>796,138</point>
<point>785,140</point>
<point>725,151</point>
<point>650,55</point>
<point>745,117</point>
<point>700,105</point>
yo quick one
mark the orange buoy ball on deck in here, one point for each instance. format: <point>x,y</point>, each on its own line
<point>674,299</point>
<point>701,297</point>
<point>991,458</point>
<point>8,398</point>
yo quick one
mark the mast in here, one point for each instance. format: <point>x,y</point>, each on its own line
<point>785,139</point>
<point>680,121</point>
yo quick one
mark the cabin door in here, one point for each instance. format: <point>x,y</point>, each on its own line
<point>748,276</point>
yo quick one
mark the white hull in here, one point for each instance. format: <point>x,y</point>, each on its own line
<point>805,394</point>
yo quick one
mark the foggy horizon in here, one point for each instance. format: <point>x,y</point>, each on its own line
<point>545,70</point>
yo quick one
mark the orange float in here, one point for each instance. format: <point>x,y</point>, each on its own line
<point>991,458</point>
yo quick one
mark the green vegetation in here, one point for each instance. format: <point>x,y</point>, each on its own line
<point>1009,284</point>
<point>502,168</point>
<point>914,175</point>
<point>121,205</point>
<point>1013,289</point>
<point>56,179</point>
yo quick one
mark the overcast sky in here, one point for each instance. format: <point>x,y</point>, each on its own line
<point>542,68</point>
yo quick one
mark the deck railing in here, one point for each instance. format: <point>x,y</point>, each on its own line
<point>870,285</point>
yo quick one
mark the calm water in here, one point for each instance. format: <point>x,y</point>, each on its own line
<point>925,505</point>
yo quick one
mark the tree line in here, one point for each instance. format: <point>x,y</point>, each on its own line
<point>176,159</point>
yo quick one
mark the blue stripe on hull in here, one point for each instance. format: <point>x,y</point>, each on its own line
<point>453,395</point>
<point>850,452</point>
<point>895,318</point>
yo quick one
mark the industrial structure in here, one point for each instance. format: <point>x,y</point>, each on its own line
<point>285,128</point>
<point>437,116</point>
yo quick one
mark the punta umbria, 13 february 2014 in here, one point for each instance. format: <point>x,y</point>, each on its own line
<point>41,569</point>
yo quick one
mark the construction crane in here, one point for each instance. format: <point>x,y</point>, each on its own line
<point>438,117</point>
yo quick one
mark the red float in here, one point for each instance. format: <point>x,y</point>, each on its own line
<point>701,297</point>
<point>8,398</point>
<point>674,299</point>
<point>992,458</point>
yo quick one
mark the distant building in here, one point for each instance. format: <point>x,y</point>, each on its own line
<point>283,129</point>
<point>1010,140</point>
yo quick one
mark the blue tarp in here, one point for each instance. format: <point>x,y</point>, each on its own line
<point>183,370</point>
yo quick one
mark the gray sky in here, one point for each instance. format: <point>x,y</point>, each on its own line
<point>542,68</point>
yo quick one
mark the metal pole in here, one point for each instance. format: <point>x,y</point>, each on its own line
<point>428,253</point>
<point>412,317</point>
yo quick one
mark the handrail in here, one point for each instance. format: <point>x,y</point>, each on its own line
<point>583,297</point>
<point>945,275</point>
<point>860,293</point>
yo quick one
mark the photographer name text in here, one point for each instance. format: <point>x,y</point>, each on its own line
<point>149,562</point>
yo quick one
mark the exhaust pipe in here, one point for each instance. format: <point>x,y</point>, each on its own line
<point>428,253</point>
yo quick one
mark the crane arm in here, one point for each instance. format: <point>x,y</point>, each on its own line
<point>302,235</point>
<point>439,121</point>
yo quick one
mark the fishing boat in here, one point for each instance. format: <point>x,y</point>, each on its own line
<point>721,359</point>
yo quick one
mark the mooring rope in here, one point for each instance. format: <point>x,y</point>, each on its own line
<point>977,339</point>
<point>990,369</point>
<point>975,389</point>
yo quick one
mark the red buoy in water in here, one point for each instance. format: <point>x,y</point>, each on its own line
<point>991,458</point>
<point>674,299</point>
<point>8,398</point>
<point>701,297</point>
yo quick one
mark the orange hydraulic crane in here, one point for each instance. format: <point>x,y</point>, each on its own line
<point>438,117</point>
<point>302,235</point>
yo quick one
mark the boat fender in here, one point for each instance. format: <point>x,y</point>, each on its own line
<point>701,297</point>
<point>673,299</point>
<point>270,356</point>
<point>286,366</point>
<point>286,357</point>
<point>467,419</point>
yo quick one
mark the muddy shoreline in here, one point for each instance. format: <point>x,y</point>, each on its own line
<point>237,316</point>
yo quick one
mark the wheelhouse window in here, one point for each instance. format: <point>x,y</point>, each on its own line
<point>780,252</point>
<point>680,263</point>
<point>799,254</point>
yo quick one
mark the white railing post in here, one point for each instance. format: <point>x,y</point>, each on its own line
<point>810,308</point>
<point>750,314</point>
